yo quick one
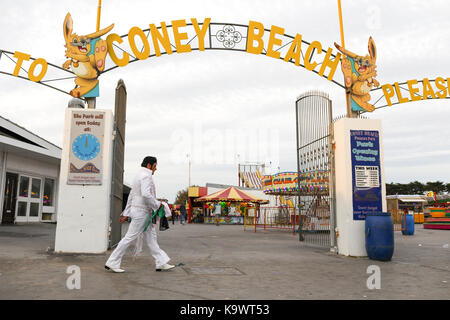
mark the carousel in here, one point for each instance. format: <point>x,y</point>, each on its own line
<point>229,206</point>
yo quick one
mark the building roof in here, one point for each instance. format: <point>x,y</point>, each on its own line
<point>16,139</point>
<point>409,198</point>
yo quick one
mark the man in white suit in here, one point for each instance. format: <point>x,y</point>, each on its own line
<point>141,202</point>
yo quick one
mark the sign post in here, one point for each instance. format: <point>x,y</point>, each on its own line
<point>350,112</point>
<point>360,183</point>
<point>365,154</point>
<point>85,182</point>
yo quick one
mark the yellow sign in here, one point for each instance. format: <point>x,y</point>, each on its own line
<point>288,182</point>
<point>86,58</point>
<point>21,57</point>
<point>414,88</point>
<point>359,75</point>
<point>255,44</point>
<point>430,194</point>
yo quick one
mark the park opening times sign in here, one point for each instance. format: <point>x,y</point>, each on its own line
<point>86,149</point>
<point>366,175</point>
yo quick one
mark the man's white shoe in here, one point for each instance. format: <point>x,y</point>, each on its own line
<point>114,269</point>
<point>165,267</point>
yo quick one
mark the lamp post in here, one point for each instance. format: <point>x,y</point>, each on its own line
<point>189,184</point>
<point>189,159</point>
<point>239,169</point>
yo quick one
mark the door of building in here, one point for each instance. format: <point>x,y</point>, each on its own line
<point>28,199</point>
<point>10,198</point>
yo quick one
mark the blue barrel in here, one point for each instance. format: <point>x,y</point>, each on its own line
<point>379,236</point>
<point>409,224</point>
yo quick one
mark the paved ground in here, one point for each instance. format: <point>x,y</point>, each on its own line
<point>224,263</point>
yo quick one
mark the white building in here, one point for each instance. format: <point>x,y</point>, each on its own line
<point>29,173</point>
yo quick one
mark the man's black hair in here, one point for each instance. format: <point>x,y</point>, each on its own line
<point>148,160</point>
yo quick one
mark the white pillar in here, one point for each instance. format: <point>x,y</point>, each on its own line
<point>350,213</point>
<point>84,210</point>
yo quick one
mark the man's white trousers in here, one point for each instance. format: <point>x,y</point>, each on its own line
<point>136,227</point>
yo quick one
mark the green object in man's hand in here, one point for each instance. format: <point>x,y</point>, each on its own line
<point>160,212</point>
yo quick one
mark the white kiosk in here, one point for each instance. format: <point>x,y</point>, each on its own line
<point>360,182</point>
<point>85,182</point>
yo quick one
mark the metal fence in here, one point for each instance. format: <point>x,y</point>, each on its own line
<point>276,218</point>
<point>314,153</point>
<point>399,216</point>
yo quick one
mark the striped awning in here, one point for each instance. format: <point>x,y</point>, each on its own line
<point>251,179</point>
<point>231,194</point>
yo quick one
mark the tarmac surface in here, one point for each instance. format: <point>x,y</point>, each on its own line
<point>223,262</point>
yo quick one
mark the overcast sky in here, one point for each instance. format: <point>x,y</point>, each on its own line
<point>215,105</point>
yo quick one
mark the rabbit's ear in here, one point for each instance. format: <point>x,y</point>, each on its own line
<point>100,33</point>
<point>345,51</point>
<point>372,49</point>
<point>68,27</point>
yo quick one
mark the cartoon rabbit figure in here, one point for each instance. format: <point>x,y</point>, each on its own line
<point>359,74</point>
<point>87,56</point>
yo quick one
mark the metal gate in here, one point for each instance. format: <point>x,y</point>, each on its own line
<point>118,164</point>
<point>315,170</point>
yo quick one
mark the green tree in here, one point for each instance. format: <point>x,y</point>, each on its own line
<point>182,196</point>
<point>390,189</point>
<point>396,188</point>
<point>438,186</point>
<point>447,187</point>
<point>416,187</point>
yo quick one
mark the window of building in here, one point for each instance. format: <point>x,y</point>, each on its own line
<point>49,186</point>
<point>36,188</point>
<point>34,209</point>
<point>23,186</point>
<point>22,208</point>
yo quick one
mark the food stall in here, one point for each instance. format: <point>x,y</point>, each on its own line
<point>229,206</point>
<point>411,204</point>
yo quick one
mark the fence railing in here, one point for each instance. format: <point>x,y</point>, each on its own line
<point>282,218</point>
<point>287,218</point>
<point>399,216</point>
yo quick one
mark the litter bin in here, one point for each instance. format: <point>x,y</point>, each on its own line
<point>408,224</point>
<point>379,229</point>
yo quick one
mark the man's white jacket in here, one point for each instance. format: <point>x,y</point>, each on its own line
<point>142,198</point>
